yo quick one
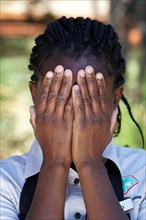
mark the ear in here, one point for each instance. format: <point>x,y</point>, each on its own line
<point>32,88</point>
<point>117,95</point>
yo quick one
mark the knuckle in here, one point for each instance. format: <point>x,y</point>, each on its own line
<point>95,97</point>
<point>80,108</point>
<point>68,107</point>
<point>43,96</point>
<point>52,95</point>
<point>103,99</point>
<point>61,98</point>
<point>86,100</point>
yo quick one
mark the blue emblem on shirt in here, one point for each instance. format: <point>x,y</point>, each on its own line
<point>128,182</point>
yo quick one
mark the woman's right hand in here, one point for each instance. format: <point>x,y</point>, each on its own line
<point>52,115</point>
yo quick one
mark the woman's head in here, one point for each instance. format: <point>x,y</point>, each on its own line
<point>76,43</point>
<point>77,38</point>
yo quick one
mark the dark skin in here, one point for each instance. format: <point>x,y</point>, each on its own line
<point>74,123</point>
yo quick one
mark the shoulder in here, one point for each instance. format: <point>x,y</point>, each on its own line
<point>130,151</point>
<point>14,161</point>
<point>131,159</point>
<point>12,170</point>
<point>12,180</point>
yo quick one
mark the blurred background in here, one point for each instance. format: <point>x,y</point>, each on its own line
<point>22,21</point>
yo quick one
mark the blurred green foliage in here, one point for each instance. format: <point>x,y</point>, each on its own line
<point>16,132</point>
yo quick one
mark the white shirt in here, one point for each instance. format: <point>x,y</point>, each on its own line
<point>15,170</point>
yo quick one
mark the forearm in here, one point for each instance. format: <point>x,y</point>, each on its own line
<point>49,199</point>
<point>100,199</point>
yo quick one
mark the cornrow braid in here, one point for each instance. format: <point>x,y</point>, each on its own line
<point>119,120</point>
<point>75,37</point>
<point>123,98</point>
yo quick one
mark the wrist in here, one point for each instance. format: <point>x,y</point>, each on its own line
<point>89,164</point>
<point>55,163</point>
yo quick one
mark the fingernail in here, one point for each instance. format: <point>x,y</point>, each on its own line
<point>49,74</point>
<point>67,73</point>
<point>76,87</point>
<point>58,69</point>
<point>89,69</point>
<point>99,76</point>
<point>81,73</point>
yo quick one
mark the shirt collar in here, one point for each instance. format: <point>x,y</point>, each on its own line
<point>110,152</point>
<point>34,160</point>
<point>35,157</point>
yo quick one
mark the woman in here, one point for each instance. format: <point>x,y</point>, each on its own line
<point>73,169</point>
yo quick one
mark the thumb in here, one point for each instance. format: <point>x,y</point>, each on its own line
<point>32,116</point>
<point>114,121</point>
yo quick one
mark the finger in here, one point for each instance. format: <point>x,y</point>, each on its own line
<point>54,89</point>
<point>81,79</point>
<point>68,112</point>
<point>93,89</point>
<point>64,92</point>
<point>113,121</point>
<point>78,103</point>
<point>104,101</point>
<point>32,116</point>
<point>42,95</point>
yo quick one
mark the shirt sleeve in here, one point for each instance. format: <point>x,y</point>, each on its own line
<point>7,207</point>
<point>9,193</point>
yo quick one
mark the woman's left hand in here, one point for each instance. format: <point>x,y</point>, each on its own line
<point>94,123</point>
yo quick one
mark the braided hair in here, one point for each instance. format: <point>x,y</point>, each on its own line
<point>78,36</point>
